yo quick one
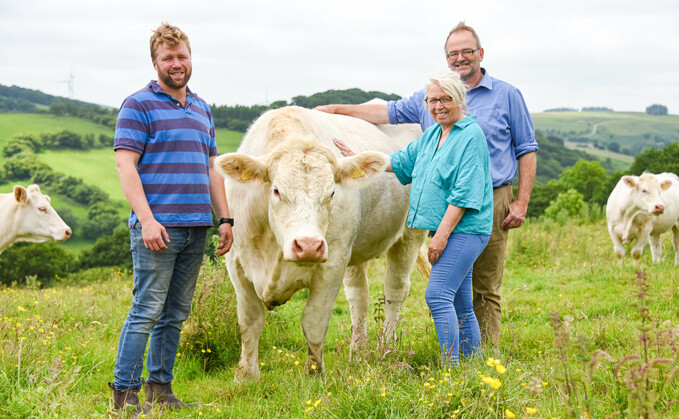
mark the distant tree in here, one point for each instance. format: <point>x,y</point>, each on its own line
<point>588,178</point>
<point>657,161</point>
<point>110,250</point>
<point>21,166</point>
<point>69,218</point>
<point>238,125</point>
<point>614,147</point>
<point>542,195</point>
<point>656,110</point>
<point>102,220</point>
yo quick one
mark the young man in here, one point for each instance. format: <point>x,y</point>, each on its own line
<point>503,116</point>
<point>165,148</point>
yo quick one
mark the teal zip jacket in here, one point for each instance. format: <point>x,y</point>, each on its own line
<point>458,173</point>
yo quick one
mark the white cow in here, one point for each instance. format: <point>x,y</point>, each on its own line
<point>642,208</point>
<point>26,215</point>
<point>305,218</point>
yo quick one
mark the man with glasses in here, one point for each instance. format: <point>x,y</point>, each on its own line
<point>503,116</point>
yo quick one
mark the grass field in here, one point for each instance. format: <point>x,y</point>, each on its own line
<point>12,124</point>
<point>58,345</point>
<point>628,129</point>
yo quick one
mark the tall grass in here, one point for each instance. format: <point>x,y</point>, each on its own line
<point>566,304</point>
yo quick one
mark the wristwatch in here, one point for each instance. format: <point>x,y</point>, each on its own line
<point>226,220</point>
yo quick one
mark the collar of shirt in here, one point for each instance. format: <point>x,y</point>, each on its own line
<point>462,123</point>
<point>486,81</point>
<point>153,85</point>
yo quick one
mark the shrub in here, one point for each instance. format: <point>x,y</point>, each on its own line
<point>569,203</point>
<point>41,261</point>
<point>113,250</point>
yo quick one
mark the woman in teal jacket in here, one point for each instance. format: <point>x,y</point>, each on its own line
<point>451,194</point>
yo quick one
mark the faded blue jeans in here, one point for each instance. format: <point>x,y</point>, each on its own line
<point>449,296</point>
<point>163,289</point>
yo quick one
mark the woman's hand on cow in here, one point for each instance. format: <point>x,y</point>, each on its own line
<point>437,245</point>
<point>344,149</point>
<point>225,239</point>
<point>153,234</point>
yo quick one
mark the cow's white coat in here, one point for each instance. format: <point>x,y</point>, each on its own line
<point>305,217</point>
<point>642,208</point>
<point>26,215</point>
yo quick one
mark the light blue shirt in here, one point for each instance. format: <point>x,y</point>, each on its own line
<point>502,114</point>
<point>458,173</point>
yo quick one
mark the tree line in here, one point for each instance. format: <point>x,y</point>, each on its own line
<point>238,118</point>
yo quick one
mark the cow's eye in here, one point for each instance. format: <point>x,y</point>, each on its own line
<point>644,191</point>
<point>276,193</point>
<point>42,209</point>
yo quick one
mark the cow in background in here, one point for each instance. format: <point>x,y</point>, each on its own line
<point>26,215</point>
<point>307,218</point>
<point>642,208</point>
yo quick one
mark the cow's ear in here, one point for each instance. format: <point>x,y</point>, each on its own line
<point>630,181</point>
<point>361,167</point>
<point>665,185</point>
<point>20,194</point>
<point>242,168</point>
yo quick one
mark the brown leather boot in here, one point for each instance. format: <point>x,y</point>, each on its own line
<point>162,395</point>
<point>127,400</point>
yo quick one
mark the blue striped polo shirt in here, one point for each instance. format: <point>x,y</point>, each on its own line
<point>175,144</point>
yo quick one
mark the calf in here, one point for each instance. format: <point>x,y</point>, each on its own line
<point>642,208</point>
<point>26,215</point>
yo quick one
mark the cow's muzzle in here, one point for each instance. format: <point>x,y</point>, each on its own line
<point>308,249</point>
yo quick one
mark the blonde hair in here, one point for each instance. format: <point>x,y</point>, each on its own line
<point>169,35</point>
<point>462,27</point>
<point>451,83</point>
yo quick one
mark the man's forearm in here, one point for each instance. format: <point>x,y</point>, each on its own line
<point>218,194</point>
<point>527,168</point>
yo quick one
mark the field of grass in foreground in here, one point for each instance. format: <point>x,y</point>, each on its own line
<point>57,345</point>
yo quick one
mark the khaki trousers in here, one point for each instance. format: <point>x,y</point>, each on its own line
<point>488,269</point>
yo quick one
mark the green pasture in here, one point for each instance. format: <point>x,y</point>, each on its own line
<point>12,124</point>
<point>626,128</point>
<point>571,315</point>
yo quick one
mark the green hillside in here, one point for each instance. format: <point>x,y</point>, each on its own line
<point>626,133</point>
<point>12,124</point>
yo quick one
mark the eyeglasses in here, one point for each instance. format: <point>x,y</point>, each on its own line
<point>444,100</point>
<point>466,53</point>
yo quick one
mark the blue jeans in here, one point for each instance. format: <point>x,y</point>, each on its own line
<point>449,296</point>
<point>163,289</point>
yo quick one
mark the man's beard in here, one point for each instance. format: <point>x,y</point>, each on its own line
<point>171,83</point>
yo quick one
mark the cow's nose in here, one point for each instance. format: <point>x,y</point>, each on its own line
<point>67,233</point>
<point>658,209</point>
<point>308,249</point>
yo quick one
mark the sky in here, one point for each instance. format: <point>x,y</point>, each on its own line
<point>619,54</point>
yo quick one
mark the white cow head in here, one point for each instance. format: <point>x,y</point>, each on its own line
<point>38,222</point>
<point>645,192</point>
<point>303,176</point>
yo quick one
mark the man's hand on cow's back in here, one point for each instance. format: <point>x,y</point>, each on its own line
<point>155,236</point>
<point>225,239</point>
<point>516,216</point>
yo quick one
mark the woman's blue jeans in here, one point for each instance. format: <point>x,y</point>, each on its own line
<point>163,289</point>
<point>449,296</point>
